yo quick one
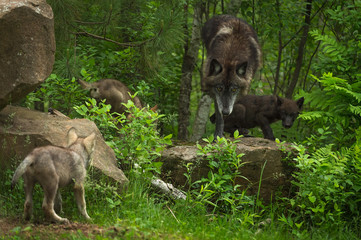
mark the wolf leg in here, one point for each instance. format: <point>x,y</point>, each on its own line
<point>265,126</point>
<point>219,123</point>
<point>267,132</point>
<point>80,199</point>
<point>50,189</point>
<point>28,205</point>
<point>58,202</point>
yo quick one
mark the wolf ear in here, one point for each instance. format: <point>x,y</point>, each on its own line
<point>72,137</point>
<point>241,69</point>
<point>155,108</point>
<point>300,102</point>
<point>215,68</point>
<point>279,100</point>
<point>85,85</point>
<point>89,143</point>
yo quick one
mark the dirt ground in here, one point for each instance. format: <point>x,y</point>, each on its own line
<point>11,227</point>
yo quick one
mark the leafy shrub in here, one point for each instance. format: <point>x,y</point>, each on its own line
<point>136,142</point>
<point>219,190</point>
<point>58,93</point>
<point>329,188</point>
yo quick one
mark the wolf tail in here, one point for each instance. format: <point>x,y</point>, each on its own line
<point>21,170</point>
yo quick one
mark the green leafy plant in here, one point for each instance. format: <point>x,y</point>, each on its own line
<point>220,191</point>
<point>142,142</point>
<point>329,190</point>
<point>135,141</point>
<point>340,44</point>
<point>336,104</point>
<point>57,93</point>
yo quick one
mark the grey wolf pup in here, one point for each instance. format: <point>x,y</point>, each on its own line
<point>233,56</point>
<point>53,168</point>
<point>113,91</point>
<point>260,111</point>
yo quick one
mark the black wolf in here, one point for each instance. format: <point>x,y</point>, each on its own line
<point>260,111</point>
<point>233,56</point>
<point>53,168</point>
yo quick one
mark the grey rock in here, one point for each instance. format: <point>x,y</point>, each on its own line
<point>27,47</point>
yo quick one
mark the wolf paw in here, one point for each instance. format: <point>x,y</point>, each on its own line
<point>63,221</point>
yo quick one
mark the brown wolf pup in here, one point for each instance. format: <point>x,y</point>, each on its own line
<point>53,168</point>
<point>233,56</point>
<point>260,111</point>
<point>115,92</point>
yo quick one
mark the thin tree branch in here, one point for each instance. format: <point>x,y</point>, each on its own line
<point>128,44</point>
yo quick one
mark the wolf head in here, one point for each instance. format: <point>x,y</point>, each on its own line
<point>83,146</point>
<point>289,110</point>
<point>233,56</point>
<point>92,87</point>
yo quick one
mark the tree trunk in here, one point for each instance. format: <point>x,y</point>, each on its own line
<point>280,48</point>
<point>189,60</point>
<point>233,7</point>
<point>199,125</point>
<point>301,50</point>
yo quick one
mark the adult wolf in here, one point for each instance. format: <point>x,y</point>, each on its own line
<point>233,56</point>
<point>260,111</point>
<point>53,168</point>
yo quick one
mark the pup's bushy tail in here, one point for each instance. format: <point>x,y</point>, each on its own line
<point>21,170</point>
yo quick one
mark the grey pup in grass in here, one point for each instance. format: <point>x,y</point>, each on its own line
<point>53,168</point>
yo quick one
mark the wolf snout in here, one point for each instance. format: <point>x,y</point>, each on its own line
<point>226,112</point>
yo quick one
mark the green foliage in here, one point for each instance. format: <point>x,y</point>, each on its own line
<point>144,51</point>
<point>142,142</point>
<point>329,188</point>
<point>57,93</point>
<point>337,104</point>
<point>100,114</point>
<point>340,46</point>
<point>135,141</point>
<point>219,191</point>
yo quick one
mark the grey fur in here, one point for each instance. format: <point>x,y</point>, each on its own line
<point>53,168</point>
<point>115,92</point>
<point>233,56</point>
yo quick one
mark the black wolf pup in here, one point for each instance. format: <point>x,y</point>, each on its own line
<point>260,111</point>
<point>53,168</point>
<point>233,56</point>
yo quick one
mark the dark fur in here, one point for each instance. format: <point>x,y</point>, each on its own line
<point>115,92</point>
<point>233,56</point>
<point>260,111</point>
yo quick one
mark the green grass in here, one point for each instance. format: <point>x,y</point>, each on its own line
<point>140,213</point>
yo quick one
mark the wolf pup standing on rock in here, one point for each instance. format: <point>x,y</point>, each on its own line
<point>233,56</point>
<point>260,111</point>
<point>53,168</point>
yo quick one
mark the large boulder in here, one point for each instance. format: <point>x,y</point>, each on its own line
<point>22,130</point>
<point>27,47</point>
<point>259,154</point>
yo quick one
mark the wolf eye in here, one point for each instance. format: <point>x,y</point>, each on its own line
<point>234,89</point>
<point>219,89</point>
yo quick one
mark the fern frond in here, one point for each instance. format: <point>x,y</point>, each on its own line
<point>312,115</point>
<point>355,110</point>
